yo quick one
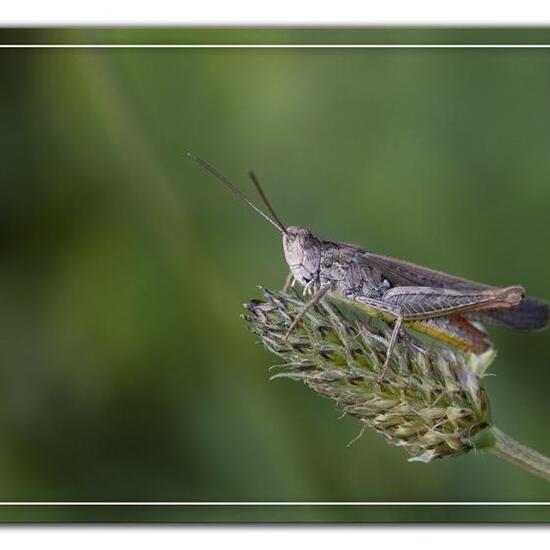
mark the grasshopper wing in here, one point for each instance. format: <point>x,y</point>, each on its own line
<point>531,314</point>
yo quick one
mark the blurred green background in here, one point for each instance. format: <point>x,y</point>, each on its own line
<point>125,370</point>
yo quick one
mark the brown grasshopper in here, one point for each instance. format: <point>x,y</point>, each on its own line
<point>441,305</point>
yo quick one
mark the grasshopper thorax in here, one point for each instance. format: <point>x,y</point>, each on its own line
<point>303,253</point>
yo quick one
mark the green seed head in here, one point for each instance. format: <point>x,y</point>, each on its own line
<point>429,401</point>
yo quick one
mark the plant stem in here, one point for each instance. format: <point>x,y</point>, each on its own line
<point>519,454</point>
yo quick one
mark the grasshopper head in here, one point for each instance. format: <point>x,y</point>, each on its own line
<point>303,253</point>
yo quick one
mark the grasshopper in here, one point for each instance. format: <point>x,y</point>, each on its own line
<point>436,303</point>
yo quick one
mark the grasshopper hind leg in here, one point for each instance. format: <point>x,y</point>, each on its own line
<point>400,316</point>
<point>391,346</point>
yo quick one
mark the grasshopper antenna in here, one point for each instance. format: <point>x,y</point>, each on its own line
<point>276,223</point>
<point>265,199</point>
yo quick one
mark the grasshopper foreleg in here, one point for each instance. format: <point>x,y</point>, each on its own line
<point>311,302</point>
<point>289,281</point>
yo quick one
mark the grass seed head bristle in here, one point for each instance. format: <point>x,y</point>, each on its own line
<point>429,402</point>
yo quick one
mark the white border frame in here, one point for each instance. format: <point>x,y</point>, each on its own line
<point>275,46</point>
<point>273,503</point>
